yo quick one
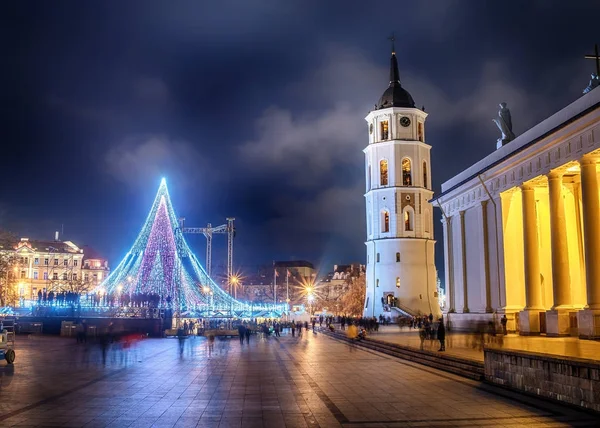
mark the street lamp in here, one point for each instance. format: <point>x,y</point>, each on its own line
<point>310,298</point>
<point>234,280</point>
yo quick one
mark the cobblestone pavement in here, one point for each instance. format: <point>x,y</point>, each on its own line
<point>314,381</point>
<point>469,345</point>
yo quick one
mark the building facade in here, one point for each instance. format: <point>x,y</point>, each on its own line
<point>95,268</point>
<point>400,269</point>
<point>49,266</point>
<point>46,266</point>
<point>522,229</point>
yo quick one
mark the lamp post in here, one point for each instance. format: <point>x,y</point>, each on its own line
<point>234,280</point>
<point>310,298</point>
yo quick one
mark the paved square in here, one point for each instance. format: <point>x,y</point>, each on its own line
<point>314,381</point>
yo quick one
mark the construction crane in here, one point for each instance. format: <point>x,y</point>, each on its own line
<point>208,232</point>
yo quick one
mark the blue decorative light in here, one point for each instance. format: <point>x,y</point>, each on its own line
<point>160,264</point>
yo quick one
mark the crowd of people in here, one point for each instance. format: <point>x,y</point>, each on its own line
<point>63,298</point>
<point>69,298</point>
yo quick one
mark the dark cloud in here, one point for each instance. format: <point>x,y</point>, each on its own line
<point>256,109</point>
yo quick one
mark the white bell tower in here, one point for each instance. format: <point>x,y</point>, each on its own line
<point>401,274</point>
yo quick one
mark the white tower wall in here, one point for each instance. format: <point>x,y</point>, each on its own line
<point>401,274</point>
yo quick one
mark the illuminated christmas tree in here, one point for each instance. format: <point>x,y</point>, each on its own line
<point>161,264</point>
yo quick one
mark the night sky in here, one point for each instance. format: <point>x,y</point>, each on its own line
<point>255,109</point>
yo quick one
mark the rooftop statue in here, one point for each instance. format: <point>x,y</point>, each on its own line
<point>504,124</point>
<point>594,83</point>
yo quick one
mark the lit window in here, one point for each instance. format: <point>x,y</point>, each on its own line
<point>397,257</point>
<point>397,282</point>
<point>383,173</point>
<point>23,274</point>
<point>35,275</point>
<point>420,132</point>
<point>406,172</point>
<point>377,257</point>
<point>424,174</point>
<point>46,275</point>
<point>408,221</point>
<point>385,227</point>
<point>385,134</point>
<point>36,261</point>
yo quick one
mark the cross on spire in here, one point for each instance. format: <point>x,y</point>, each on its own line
<point>597,58</point>
<point>393,39</point>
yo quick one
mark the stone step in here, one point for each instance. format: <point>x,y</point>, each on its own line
<point>459,366</point>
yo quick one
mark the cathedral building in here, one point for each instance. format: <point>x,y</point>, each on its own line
<point>400,272</point>
<point>522,229</point>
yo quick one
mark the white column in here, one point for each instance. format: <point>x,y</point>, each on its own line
<point>591,230</point>
<point>533,291</point>
<point>448,263</point>
<point>530,316</point>
<point>463,257</point>
<point>485,257</point>
<point>558,237</point>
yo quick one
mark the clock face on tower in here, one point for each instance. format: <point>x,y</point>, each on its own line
<point>405,121</point>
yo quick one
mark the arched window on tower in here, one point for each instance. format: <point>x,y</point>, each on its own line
<point>408,221</point>
<point>385,133</point>
<point>424,174</point>
<point>406,172</point>
<point>385,221</point>
<point>397,282</point>
<point>383,172</point>
<point>397,257</point>
<point>426,220</point>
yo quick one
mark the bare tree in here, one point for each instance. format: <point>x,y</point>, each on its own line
<point>353,300</point>
<point>9,266</point>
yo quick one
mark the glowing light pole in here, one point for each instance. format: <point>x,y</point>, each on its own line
<point>234,281</point>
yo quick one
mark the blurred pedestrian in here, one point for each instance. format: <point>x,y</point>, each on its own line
<point>441,334</point>
<point>241,333</point>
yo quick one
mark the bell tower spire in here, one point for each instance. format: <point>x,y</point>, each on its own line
<point>394,73</point>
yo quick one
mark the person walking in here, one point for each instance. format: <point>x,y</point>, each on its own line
<point>503,321</point>
<point>293,329</point>
<point>441,334</point>
<point>247,333</point>
<point>241,333</point>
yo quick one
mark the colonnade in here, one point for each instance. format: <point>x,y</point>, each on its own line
<point>557,318</point>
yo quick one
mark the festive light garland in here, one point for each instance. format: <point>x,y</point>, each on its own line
<point>160,263</point>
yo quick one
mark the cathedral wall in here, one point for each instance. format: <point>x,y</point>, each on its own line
<point>474,251</point>
<point>458,266</point>
<point>545,245</point>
